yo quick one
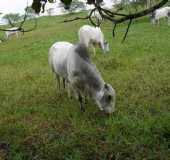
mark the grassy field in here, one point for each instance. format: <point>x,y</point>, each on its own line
<point>39,123</point>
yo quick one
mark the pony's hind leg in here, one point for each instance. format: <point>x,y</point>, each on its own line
<point>58,81</point>
<point>67,88</point>
<point>80,99</point>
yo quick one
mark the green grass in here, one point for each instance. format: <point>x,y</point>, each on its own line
<point>38,122</point>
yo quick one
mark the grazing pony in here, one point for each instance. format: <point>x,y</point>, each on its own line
<point>12,31</point>
<point>161,13</point>
<point>72,63</point>
<point>91,37</point>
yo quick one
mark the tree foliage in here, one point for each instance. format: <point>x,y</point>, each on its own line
<point>74,6</point>
<point>113,16</point>
<point>12,18</point>
<point>36,5</point>
<point>30,12</point>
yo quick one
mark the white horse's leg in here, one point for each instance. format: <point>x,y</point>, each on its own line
<point>58,81</point>
<point>17,34</point>
<point>92,47</point>
<point>64,83</point>
<point>6,36</point>
<point>94,51</point>
<point>69,90</point>
<point>168,21</point>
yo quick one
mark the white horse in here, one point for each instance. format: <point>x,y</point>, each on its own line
<point>91,37</point>
<point>161,13</point>
<point>12,31</point>
<point>72,63</point>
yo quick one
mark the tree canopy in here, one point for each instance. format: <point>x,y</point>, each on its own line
<point>12,18</point>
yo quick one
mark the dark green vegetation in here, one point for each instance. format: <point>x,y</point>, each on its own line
<point>37,122</point>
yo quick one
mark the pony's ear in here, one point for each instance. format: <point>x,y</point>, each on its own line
<point>106,86</point>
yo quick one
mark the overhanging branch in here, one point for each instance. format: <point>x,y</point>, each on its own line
<point>113,16</point>
<point>20,27</point>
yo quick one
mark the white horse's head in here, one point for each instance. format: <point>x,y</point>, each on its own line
<point>103,44</point>
<point>152,17</point>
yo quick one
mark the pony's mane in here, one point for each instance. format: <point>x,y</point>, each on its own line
<point>82,51</point>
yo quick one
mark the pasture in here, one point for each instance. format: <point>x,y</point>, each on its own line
<point>37,122</point>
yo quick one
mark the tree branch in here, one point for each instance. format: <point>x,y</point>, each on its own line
<point>111,16</point>
<point>127,30</point>
<point>142,13</point>
<point>81,18</point>
<point>20,27</point>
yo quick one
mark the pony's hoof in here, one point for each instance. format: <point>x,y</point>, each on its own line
<point>82,110</point>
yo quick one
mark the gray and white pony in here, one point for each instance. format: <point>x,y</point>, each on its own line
<point>161,13</point>
<point>91,37</point>
<point>72,63</point>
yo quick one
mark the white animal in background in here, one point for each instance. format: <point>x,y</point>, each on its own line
<point>96,15</point>
<point>91,37</point>
<point>72,63</point>
<point>12,31</point>
<point>161,13</point>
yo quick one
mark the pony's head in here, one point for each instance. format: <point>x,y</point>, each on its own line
<point>106,99</point>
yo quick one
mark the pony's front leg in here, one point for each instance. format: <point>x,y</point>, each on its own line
<point>80,99</point>
<point>74,81</point>
<point>86,97</point>
<point>64,83</point>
